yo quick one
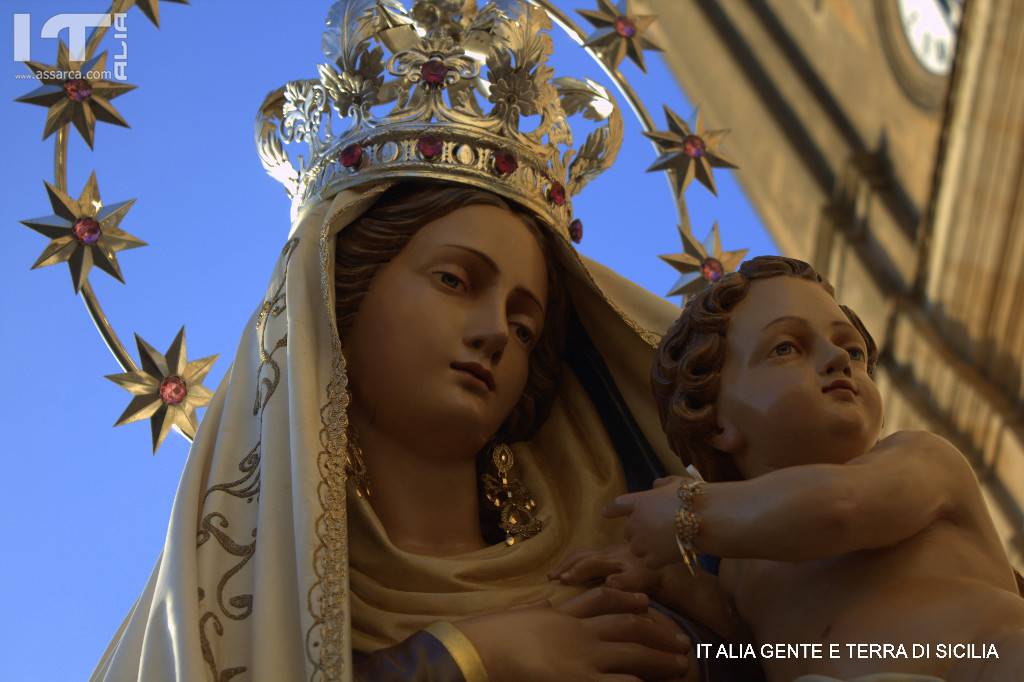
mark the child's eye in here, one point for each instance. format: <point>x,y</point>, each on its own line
<point>451,281</point>
<point>524,334</point>
<point>856,354</point>
<point>784,348</point>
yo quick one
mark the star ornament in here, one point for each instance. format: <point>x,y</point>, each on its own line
<point>73,93</point>
<point>701,264</point>
<point>619,33</point>
<point>168,389</point>
<point>151,8</point>
<point>689,153</point>
<point>83,233</point>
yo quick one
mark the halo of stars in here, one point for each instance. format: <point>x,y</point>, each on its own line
<point>168,389</point>
<point>689,153</point>
<point>700,264</point>
<point>83,233</point>
<point>619,33</point>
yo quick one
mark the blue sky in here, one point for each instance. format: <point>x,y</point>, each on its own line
<point>85,506</point>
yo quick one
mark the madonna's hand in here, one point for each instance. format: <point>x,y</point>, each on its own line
<point>601,635</point>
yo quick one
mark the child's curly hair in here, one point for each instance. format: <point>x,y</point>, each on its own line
<point>686,375</point>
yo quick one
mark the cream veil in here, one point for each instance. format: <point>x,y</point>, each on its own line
<point>269,572</point>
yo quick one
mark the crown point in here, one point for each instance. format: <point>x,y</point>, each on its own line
<point>556,194</point>
<point>351,156</point>
<point>433,72</point>
<point>505,163</point>
<point>694,146</point>
<point>576,230</point>
<point>430,147</point>
<point>86,231</point>
<point>711,269</point>
<point>78,89</point>
<point>173,390</point>
<point>625,27</point>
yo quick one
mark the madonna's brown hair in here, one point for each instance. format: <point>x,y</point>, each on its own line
<point>688,370</point>
<point>382,232</point>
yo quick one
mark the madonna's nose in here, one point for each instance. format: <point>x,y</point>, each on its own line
<point>487,332</point>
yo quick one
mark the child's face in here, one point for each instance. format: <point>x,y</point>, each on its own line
<point>795,387</point>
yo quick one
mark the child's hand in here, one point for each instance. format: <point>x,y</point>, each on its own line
<point>651,527</point>
<point>616,565</point>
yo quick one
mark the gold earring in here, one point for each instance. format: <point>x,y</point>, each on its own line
<point>355,465</point>
<point>511,497</point>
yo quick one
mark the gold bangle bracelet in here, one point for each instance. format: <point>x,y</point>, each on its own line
<point>687,522</point>
<point>461,650</point>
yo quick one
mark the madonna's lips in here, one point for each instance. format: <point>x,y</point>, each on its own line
<point>840,384</point>
<point>477,370</point>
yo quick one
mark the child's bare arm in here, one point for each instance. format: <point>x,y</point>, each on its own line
<point>814,511</point>
<point>903,485</point>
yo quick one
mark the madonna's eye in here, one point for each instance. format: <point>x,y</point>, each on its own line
<point>451,281</point>
<point>784,348</point>
<point>524,334</point>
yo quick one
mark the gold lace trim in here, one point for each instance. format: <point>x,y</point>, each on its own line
<point>649,337</point>
<point>326,599</point>
<point>214,524</point>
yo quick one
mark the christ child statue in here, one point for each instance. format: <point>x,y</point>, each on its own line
<point>827,534</point>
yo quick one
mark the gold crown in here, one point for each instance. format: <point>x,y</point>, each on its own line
<point>438,117</point>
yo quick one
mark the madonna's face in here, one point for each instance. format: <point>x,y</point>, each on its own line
<point>439,350</point>
<point>795,387</point>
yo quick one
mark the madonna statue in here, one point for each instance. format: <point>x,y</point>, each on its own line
<point>435,397</point>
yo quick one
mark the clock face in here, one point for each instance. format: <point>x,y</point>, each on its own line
<point>930,28</point>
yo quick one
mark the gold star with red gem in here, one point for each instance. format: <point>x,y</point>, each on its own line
<point>151,8</point>
<point>83,233</point>
<point>168,389</point>
<point>689,153</point>
<point>72,97</point>
<point>701,264</point>
<point>619,33</point>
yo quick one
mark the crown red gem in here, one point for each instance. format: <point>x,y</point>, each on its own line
<point>78,89</point>
<point>351,156</point>
<point>505,163</point>
<point>430,147</point>
<point>556,194</point>
<point>576,230</point>
<point>86,231</point>
<point>433,72</point>
<point>173,390</point>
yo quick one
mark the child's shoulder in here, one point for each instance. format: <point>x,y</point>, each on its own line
<point>928,461</point>
<point>923,447</point>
